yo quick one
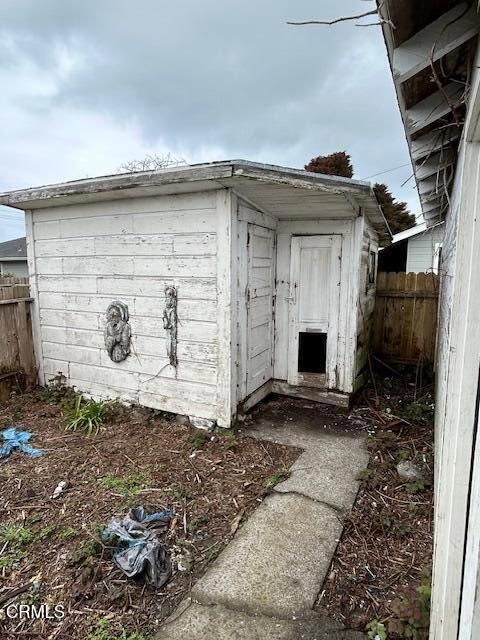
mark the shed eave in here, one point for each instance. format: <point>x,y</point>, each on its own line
<point>217,175</point>
<point>13,259</point>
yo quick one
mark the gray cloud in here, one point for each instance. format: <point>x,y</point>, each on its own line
<point>202,78</point>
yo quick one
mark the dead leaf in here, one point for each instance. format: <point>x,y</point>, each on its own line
<point>236,521</point>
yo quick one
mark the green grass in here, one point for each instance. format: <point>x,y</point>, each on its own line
<point>376,630</point>
<point>127,486</point>
<point>86,415</point>
<point>44,533</point>
<point>181,492</point>
<point>69,532</point>
<point>7,561</point>
<point>276,478</point>
<point>89,549</point>
<point>15,538</point>
<point>103,631</point>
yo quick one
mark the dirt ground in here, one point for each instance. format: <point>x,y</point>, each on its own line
<point>140,457</point>
<point>378,577</point>
<point>381,571</point>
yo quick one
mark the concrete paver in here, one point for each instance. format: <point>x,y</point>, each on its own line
<point>265,583</point>
<point>277,562</point>
<point>214,622</point>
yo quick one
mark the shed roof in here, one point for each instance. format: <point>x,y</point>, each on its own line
<point>283,192</point>
<point>13,250</point>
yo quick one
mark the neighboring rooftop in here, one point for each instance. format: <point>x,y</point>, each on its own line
<point>13,249</point>
<point>413,231</point>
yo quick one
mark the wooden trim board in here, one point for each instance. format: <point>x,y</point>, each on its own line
<point>308,393</point>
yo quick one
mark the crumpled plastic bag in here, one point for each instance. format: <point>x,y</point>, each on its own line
<point>14,439</point>
<point>139,551</point>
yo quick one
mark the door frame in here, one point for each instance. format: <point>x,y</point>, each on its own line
<point>329,380</point>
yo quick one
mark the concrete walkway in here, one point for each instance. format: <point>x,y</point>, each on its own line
<point>265,583</point>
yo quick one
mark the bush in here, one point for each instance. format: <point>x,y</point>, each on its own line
<point>85,415</point>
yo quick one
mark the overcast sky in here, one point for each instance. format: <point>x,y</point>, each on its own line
<point>88,85</point>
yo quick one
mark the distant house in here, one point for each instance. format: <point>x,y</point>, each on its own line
<point>416,250</point>
<point>13,258</point>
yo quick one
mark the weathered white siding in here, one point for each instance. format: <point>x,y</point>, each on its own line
<point>366,297</point>
<point>456,565</point>
<point>422,251</point>
<point>91,254</point>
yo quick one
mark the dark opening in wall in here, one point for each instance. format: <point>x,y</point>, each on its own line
<point>312,352</point>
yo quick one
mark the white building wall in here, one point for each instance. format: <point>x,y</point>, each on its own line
<point>366,296</point>
<point>422,251</point>
<point>456,566</point>
<point>17,268</point>
<point>85,256</point>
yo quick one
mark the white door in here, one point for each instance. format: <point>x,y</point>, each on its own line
<point>260,306</point>
<point>313,310</point>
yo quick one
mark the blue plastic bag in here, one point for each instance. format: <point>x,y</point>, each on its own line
<point>17,440</point>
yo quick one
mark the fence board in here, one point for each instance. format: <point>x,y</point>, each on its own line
<point>16,342</point>
<point>405,321</point>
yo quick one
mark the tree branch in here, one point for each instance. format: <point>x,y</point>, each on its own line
<point>372,12</point>
<point>344,19</point>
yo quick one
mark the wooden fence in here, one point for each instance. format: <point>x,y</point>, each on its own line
<point>405,319</point>
<point>17,359</point>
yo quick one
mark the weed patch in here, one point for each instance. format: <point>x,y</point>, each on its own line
<point>103,631</point>
<point>89,549</point>
<point>69,532</point>
<point>198,439</point>
<point>128,486</point>
<point>85,415</point>
<point>276,478</point>
<point>13,539</point>
<point>412,612</point>
<point>181,492</point>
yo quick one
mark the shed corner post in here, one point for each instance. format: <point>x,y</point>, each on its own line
<point>354,318</point>
<point>226,306</point>
<point>35,309</point>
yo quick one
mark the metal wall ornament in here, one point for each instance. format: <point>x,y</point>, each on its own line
<point>170,322</point>
<point>117,331</point>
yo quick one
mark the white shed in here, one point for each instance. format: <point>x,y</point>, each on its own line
<point>201,289</point>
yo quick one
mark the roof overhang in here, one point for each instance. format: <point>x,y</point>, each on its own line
<point>13,259</point>
<point>431,46</point>
<point>281,191</point>
<point>417,230</point>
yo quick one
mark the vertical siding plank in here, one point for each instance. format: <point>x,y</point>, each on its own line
<point>35,308</point>
<point>226,374</point>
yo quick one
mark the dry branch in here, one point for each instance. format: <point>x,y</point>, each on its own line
<point>372,12</point>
